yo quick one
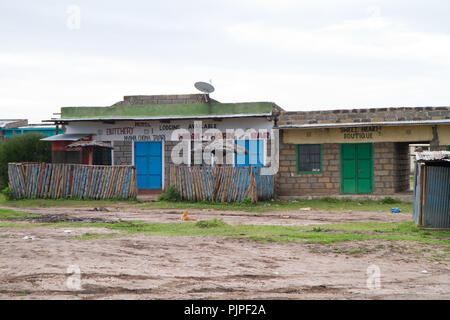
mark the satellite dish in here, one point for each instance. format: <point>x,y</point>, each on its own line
<point>204,87</point>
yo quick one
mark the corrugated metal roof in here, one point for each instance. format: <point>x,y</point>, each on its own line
<point>433,156</point>
<point>89,144</point>
<point>67,137</point>
<point>5,122</point>
<point>220,144</point>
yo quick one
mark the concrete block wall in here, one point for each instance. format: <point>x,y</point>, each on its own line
<point>289,183</point>
<point>402,167</point>
<point>390,167</point>
<point>364,115</point>
<point>163,99</point>
<point>122,153</point>
<point>390,171</point>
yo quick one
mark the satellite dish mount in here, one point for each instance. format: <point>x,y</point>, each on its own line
<point>204,87</point>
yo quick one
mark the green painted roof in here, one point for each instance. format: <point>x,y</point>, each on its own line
<point>169,110</point>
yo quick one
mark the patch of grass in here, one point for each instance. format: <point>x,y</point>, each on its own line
<point>47,203</point>
<point>389,200</point>
<point>214,223</point>
<point>324,234</point>
<point>94,235</point>
<point>268,233</point>
<point>328,204</point>
<point>23,224</point>
<point>8,214</point>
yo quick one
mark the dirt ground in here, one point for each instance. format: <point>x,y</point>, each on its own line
<point>287,218</point>
<point>155,267</point>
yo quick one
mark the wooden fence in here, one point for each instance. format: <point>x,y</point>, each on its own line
<point>55,180</point>
<point>221,184</point>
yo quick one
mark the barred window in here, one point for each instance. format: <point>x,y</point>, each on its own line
<point>309,158</point>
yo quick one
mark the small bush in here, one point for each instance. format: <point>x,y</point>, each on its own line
<point>170,194</point>
<point>28,148</point>
<point>330,200</point>
<point>8,193</point>
<point>389,200</point>
<point>246,201</point>
<point>214,223</point>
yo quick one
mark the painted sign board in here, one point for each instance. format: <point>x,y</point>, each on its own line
<point>362,134</point>
<point>163,130</point>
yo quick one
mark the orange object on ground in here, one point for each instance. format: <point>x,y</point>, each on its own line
<point>185,217</point>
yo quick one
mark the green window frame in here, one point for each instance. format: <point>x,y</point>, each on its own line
<point>307,152</point>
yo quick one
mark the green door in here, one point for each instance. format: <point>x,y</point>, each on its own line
<point>356,167</point>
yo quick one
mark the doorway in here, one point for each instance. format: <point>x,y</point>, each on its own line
<point>356,168</point>
<point>148,162</point>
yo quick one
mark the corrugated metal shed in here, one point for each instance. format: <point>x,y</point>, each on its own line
<point>431,207</point>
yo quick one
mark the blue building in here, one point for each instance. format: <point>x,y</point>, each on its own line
<point>12,131</point>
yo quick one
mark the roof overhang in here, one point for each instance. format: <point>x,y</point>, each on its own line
<point>87,144</point>
<point>432,156</point>
<point>361,124</point>
<point>215,116</point>
<point>67,137</point>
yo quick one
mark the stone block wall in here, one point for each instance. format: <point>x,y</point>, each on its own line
<point>390,171</point>
<point>391,167</point>
<point>163,99</point>
<point>364,115</point>
<point>122,153</point>
<point>289,183</point>
<point>402,167</point>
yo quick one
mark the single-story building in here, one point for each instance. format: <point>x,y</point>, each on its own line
<point>357,151</point>
<point>6,124</point>
<point>42,129</point>
<point>145,130</point>
<point>321,153</point>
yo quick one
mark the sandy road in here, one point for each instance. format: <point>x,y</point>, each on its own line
<point>155,267</point>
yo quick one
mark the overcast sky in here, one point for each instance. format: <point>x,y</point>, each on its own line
<point>302,55</point>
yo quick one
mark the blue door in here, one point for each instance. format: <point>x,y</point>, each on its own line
<point>148,162</point>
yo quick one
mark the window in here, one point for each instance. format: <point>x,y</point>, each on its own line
<point>309,158</point>
<point>102,156</point>
<point>255,156</point>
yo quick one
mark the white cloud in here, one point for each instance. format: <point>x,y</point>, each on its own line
<point>55,80</point>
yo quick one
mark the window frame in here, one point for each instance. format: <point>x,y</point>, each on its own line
<point>261,154</point>
<point>297,164</point>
